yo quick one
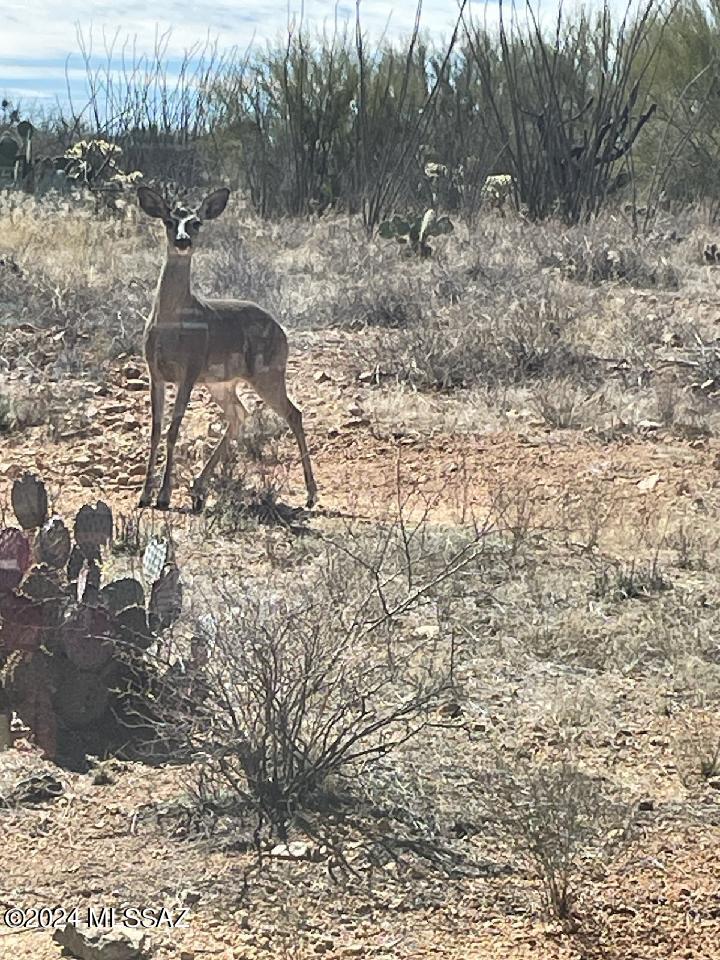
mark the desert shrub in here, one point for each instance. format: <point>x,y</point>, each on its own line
<point>631,580</point>
<point>85,282</point>
<point>697,746</point>
<point>516,341</point>
<point>240,502</point>
<point>554,817</point>
<point>311,676</point>
<point>232,267</point>
<point>25,407</point>
<point>607,251</point>
<point>6,414</point>
<point>558,402</point>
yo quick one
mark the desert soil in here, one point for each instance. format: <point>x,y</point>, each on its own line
<point>120,843</point>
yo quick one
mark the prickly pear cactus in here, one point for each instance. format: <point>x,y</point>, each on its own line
<point>29,501</point>
<point>166,598</point>
<point>72,646</point>
<point>87,637</point>
<point>52,544</point>
<point>416,232</point>
<point>93,527</point>
<point>14,558</point>
<point>120,594</point>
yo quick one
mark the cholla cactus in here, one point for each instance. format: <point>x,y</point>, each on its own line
<point>415,233</point>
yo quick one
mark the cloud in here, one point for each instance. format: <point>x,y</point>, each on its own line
<point>48,28</point>
<point>40,42</point>
<point>39,37</point>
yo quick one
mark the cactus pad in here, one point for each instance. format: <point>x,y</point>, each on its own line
<point>87,638</point>
<point>88,582</point>
<point>21,623</point>
<point>82,699</point>
<point>133,627</point>
<point>29,501</point>
<point>14,558</point>
<point>93,527</point>
<point>120,594</point>
<point>52,544</point>
<point>166,598</point>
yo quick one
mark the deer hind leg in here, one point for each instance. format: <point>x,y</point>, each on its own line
<point>182,397</point>
<point>225,395</point>
<point>271,387</point>
<point>157,402</point>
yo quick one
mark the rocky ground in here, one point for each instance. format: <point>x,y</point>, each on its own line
<point>587,448</point>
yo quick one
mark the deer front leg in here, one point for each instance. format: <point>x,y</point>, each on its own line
<point>157,402</point>
<point>181,401</point>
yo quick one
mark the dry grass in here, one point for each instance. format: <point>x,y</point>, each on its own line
<point>580,619</point>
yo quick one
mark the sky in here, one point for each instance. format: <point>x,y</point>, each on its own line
<point>40,52</point>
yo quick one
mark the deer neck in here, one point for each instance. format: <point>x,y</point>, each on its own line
<point>173,293</point>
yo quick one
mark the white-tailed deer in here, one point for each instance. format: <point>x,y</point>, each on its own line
<point>218,343</point>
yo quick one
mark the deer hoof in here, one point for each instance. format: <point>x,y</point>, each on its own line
<point>312,499</point>
<point>145,500</point>
<point>162,502</point>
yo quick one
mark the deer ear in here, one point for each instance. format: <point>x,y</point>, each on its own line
<point>152,203</point>
<point>214,204</point>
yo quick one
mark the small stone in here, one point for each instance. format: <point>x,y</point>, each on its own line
<point>189,898</point>
<point>295,850</point>
<point>321,376</point>
<point>132,372</point>
<point>324,945</point>
<point>451,709</point>
<point>649,483</point>
<point>136,385</point>
<point>91,943</point>
<point>646,804</point>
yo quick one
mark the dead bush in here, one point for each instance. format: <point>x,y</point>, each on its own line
<point>232,268</point>
<point>516,341</point>
<point>697,746</point>
<point>635,579</point>
<point>608,252</point>
<point>316,673</point>
<point>555,817</point>
<point>240,502</point>
<point>559,403</point>
<point>259,436</point>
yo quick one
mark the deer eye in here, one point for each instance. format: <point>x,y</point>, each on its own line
<point>195,225</point>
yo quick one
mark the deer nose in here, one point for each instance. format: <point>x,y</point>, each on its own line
<point>182,242</point>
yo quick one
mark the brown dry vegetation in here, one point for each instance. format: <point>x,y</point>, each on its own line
<point>543,397</point>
